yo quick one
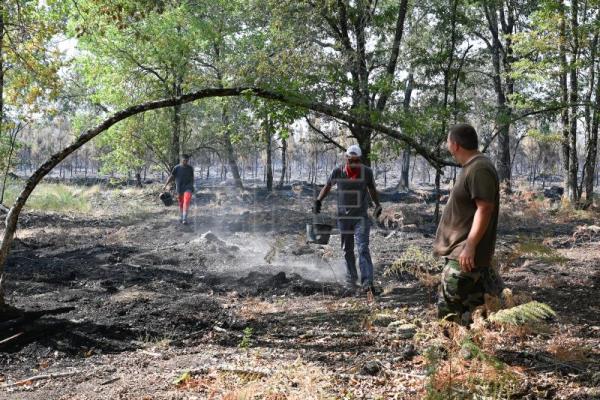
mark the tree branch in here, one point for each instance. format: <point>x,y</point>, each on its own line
<point>393,61</point>
<point>141,66</point>
<point>327,138</point>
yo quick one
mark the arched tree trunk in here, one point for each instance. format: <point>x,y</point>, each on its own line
<point>13,215</point>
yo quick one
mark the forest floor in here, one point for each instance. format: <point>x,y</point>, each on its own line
<point>237,306</point>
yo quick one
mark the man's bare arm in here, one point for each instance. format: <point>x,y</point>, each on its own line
<point>374,195</point>
<point>481,220</point>
<point>324,192</point>
<point>171,178</point>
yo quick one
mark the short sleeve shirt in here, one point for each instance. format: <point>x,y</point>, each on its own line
<point>184,178</point>
<point>352,200</point>
<point>477,180</point>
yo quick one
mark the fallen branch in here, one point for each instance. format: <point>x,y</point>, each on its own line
<point>108,382</point>
<point>11,338</point>
<point>236,371</point>
<point>36,378</point>
<point>407,374</point>
<point>151,353</point>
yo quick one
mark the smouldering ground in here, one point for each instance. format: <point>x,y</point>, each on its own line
<point>153,299</point>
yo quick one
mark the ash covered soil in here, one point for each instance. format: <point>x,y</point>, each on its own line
<point>240,300</point>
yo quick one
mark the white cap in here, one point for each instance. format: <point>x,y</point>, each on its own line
<point>354,150</point>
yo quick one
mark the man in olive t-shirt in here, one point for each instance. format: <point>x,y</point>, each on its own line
<point>466,235</point>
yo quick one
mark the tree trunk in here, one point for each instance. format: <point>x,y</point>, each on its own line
<point>363,136</point>
<point>138,179</point>
<point>176,138</point>
<point>405,170</point>
<point>591,136</point>
<point>13,141</point>
<point>438,177</point>
<point>255,170</point>
<point>283,162</point>
<point>503,111</point>
<point>1,85</point>
<point>232,161</point>
<point>564,90</point>
<point>443,132</point>
<point>592,148</point>
<point>269,171</point>
<point>574,163</point>
<point>229,150</point>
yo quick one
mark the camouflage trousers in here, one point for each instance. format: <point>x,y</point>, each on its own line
<point>461,292</point>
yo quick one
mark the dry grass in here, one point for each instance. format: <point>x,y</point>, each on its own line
<point>297,381</point>
<point>568,349</point>
<point>461,366</point>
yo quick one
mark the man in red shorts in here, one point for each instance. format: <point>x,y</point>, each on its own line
<point>183,175</point>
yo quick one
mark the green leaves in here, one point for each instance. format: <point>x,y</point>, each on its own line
<point>31,60</point>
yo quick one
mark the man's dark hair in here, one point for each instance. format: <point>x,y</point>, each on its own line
<point>465,136</point>
<point>185,156</point>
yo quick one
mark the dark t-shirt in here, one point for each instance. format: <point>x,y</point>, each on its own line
<point>352,193</point>
<point>184,178</point>
<point>477,180</point>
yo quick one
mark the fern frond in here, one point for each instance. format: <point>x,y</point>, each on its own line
<point>525,314</point>
<point>415,261</point>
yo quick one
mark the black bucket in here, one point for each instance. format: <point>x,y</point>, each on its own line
<point>166,198</point>
<point>318,233</point>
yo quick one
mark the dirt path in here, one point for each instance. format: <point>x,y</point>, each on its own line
<point>239,299</point>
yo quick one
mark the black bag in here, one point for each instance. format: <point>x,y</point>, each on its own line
<point>166,198</point>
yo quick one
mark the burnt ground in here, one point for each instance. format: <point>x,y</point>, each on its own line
<point>241,300</point>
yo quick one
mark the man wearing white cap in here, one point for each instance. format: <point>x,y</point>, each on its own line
<point>354,180</point>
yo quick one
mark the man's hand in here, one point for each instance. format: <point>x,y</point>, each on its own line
<point>466,259</point>
<point>377,211</point>
<point>482,217</point>
<point>317,206</point>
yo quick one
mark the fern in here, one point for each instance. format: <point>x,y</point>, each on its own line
<point>525,314</point>
<point>415,261</point>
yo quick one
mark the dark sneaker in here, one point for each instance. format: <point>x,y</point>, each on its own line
<point>370,287</point>
<point>184,221</point>
<point>351,284</point>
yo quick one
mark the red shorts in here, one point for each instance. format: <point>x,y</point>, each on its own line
<point>185,200</point>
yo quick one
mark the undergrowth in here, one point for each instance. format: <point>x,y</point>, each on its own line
<point>53,197</point>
